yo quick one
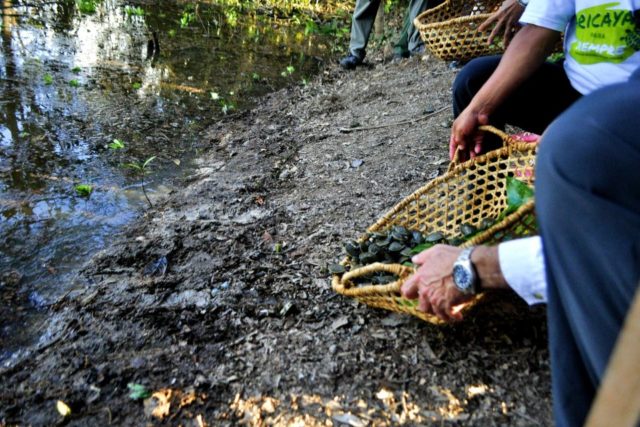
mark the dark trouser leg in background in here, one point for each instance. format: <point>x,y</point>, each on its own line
<point>588,204</point>
<point>416,7</point>
<point>531,107</point>
<point>362,21</point>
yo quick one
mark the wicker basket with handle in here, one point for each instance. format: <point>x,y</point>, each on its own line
<point>450,31</point>
<point>468,193</point>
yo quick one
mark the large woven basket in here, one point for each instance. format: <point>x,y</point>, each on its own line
<point>450,31</point>
<point>468,193</point>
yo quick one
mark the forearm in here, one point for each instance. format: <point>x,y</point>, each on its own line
<point>487,265</point>
<point>528,50</point>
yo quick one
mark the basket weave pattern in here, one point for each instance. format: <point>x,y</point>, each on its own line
<point>450,31</point>
<point>468,193</point>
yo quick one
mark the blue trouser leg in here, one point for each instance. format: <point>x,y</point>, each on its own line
<point>534,105</point>
<point>588,204</point>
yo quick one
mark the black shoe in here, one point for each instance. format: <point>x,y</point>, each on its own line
<point>399,56</point>
<point>417,52</point>
<point>350,62</point>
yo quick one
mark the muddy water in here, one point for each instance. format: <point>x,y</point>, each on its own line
<point>152,76</point>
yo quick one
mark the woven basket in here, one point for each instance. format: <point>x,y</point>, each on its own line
<point>468,193</point>
<point>450,31</point>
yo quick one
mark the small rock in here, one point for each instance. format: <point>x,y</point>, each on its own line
<point>357,163</point>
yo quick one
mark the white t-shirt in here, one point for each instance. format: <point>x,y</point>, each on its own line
<point>602,39</point>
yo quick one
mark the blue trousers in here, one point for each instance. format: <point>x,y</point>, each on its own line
<point>532,107</point>
<point>588,205</point>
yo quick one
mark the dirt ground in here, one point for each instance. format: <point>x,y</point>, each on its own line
<point>244,328</point>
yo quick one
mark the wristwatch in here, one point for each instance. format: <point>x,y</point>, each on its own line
<point>464,273</point>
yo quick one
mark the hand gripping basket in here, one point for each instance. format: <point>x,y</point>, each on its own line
<point>450,31</point>
<point>469,192</point>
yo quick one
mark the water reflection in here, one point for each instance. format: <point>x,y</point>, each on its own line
<point>70,83</point>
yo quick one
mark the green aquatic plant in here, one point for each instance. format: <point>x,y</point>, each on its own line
<point>83,190</point>
<point>76,70</point>
<point>141,169</point>
<point>136,85</point>
<point>74,83</point>
<point>48,79</point>
<point>116,145</point>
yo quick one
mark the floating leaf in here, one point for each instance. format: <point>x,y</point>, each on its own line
<point>74,83</point>
<point>136,85</point>
<point>84,190</point>
<point>48,79</point>
<point>76,70</point>
<point>138,391</point>
<point>63,408</point>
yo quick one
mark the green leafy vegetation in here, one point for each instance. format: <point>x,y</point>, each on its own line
<point>141,169</point>
<point>136,85</point>
<point>76,70</point>
<point>518,193</point>
<point>83,190</point>
<point>138,391</point>
<point>188,16</point>
<point>86,6</point>
<point>74,83</point>
<point>556,57</point>
<point>47,79</point>
<point>288,71</point>
<point>134,11</point>
<point>116,145</point>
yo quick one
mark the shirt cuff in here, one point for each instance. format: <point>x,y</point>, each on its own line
<point>522,265</point>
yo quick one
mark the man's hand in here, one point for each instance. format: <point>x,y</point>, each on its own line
<point>506,20</point>
<point>433,285</point>
<point>465,135</point>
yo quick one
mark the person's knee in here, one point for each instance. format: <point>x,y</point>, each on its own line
<point>470,79</point>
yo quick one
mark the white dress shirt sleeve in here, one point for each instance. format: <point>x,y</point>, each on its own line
<point>522,265</point>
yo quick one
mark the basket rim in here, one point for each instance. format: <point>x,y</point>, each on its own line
<point>511,146</point>
<point>450,22</point>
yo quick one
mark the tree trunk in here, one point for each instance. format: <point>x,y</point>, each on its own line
<point>378,26</point>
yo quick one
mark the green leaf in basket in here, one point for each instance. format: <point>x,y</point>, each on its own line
<point>421,247</point>
<point>518,193</point>
<point>409,264</point>
<point>411,303</point>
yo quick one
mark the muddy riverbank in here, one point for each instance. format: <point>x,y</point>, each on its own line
<point>243,327</point>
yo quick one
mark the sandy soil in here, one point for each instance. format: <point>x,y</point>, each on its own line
<point>243,328</point>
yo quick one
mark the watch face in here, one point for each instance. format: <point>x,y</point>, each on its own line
<point>461,277</point>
